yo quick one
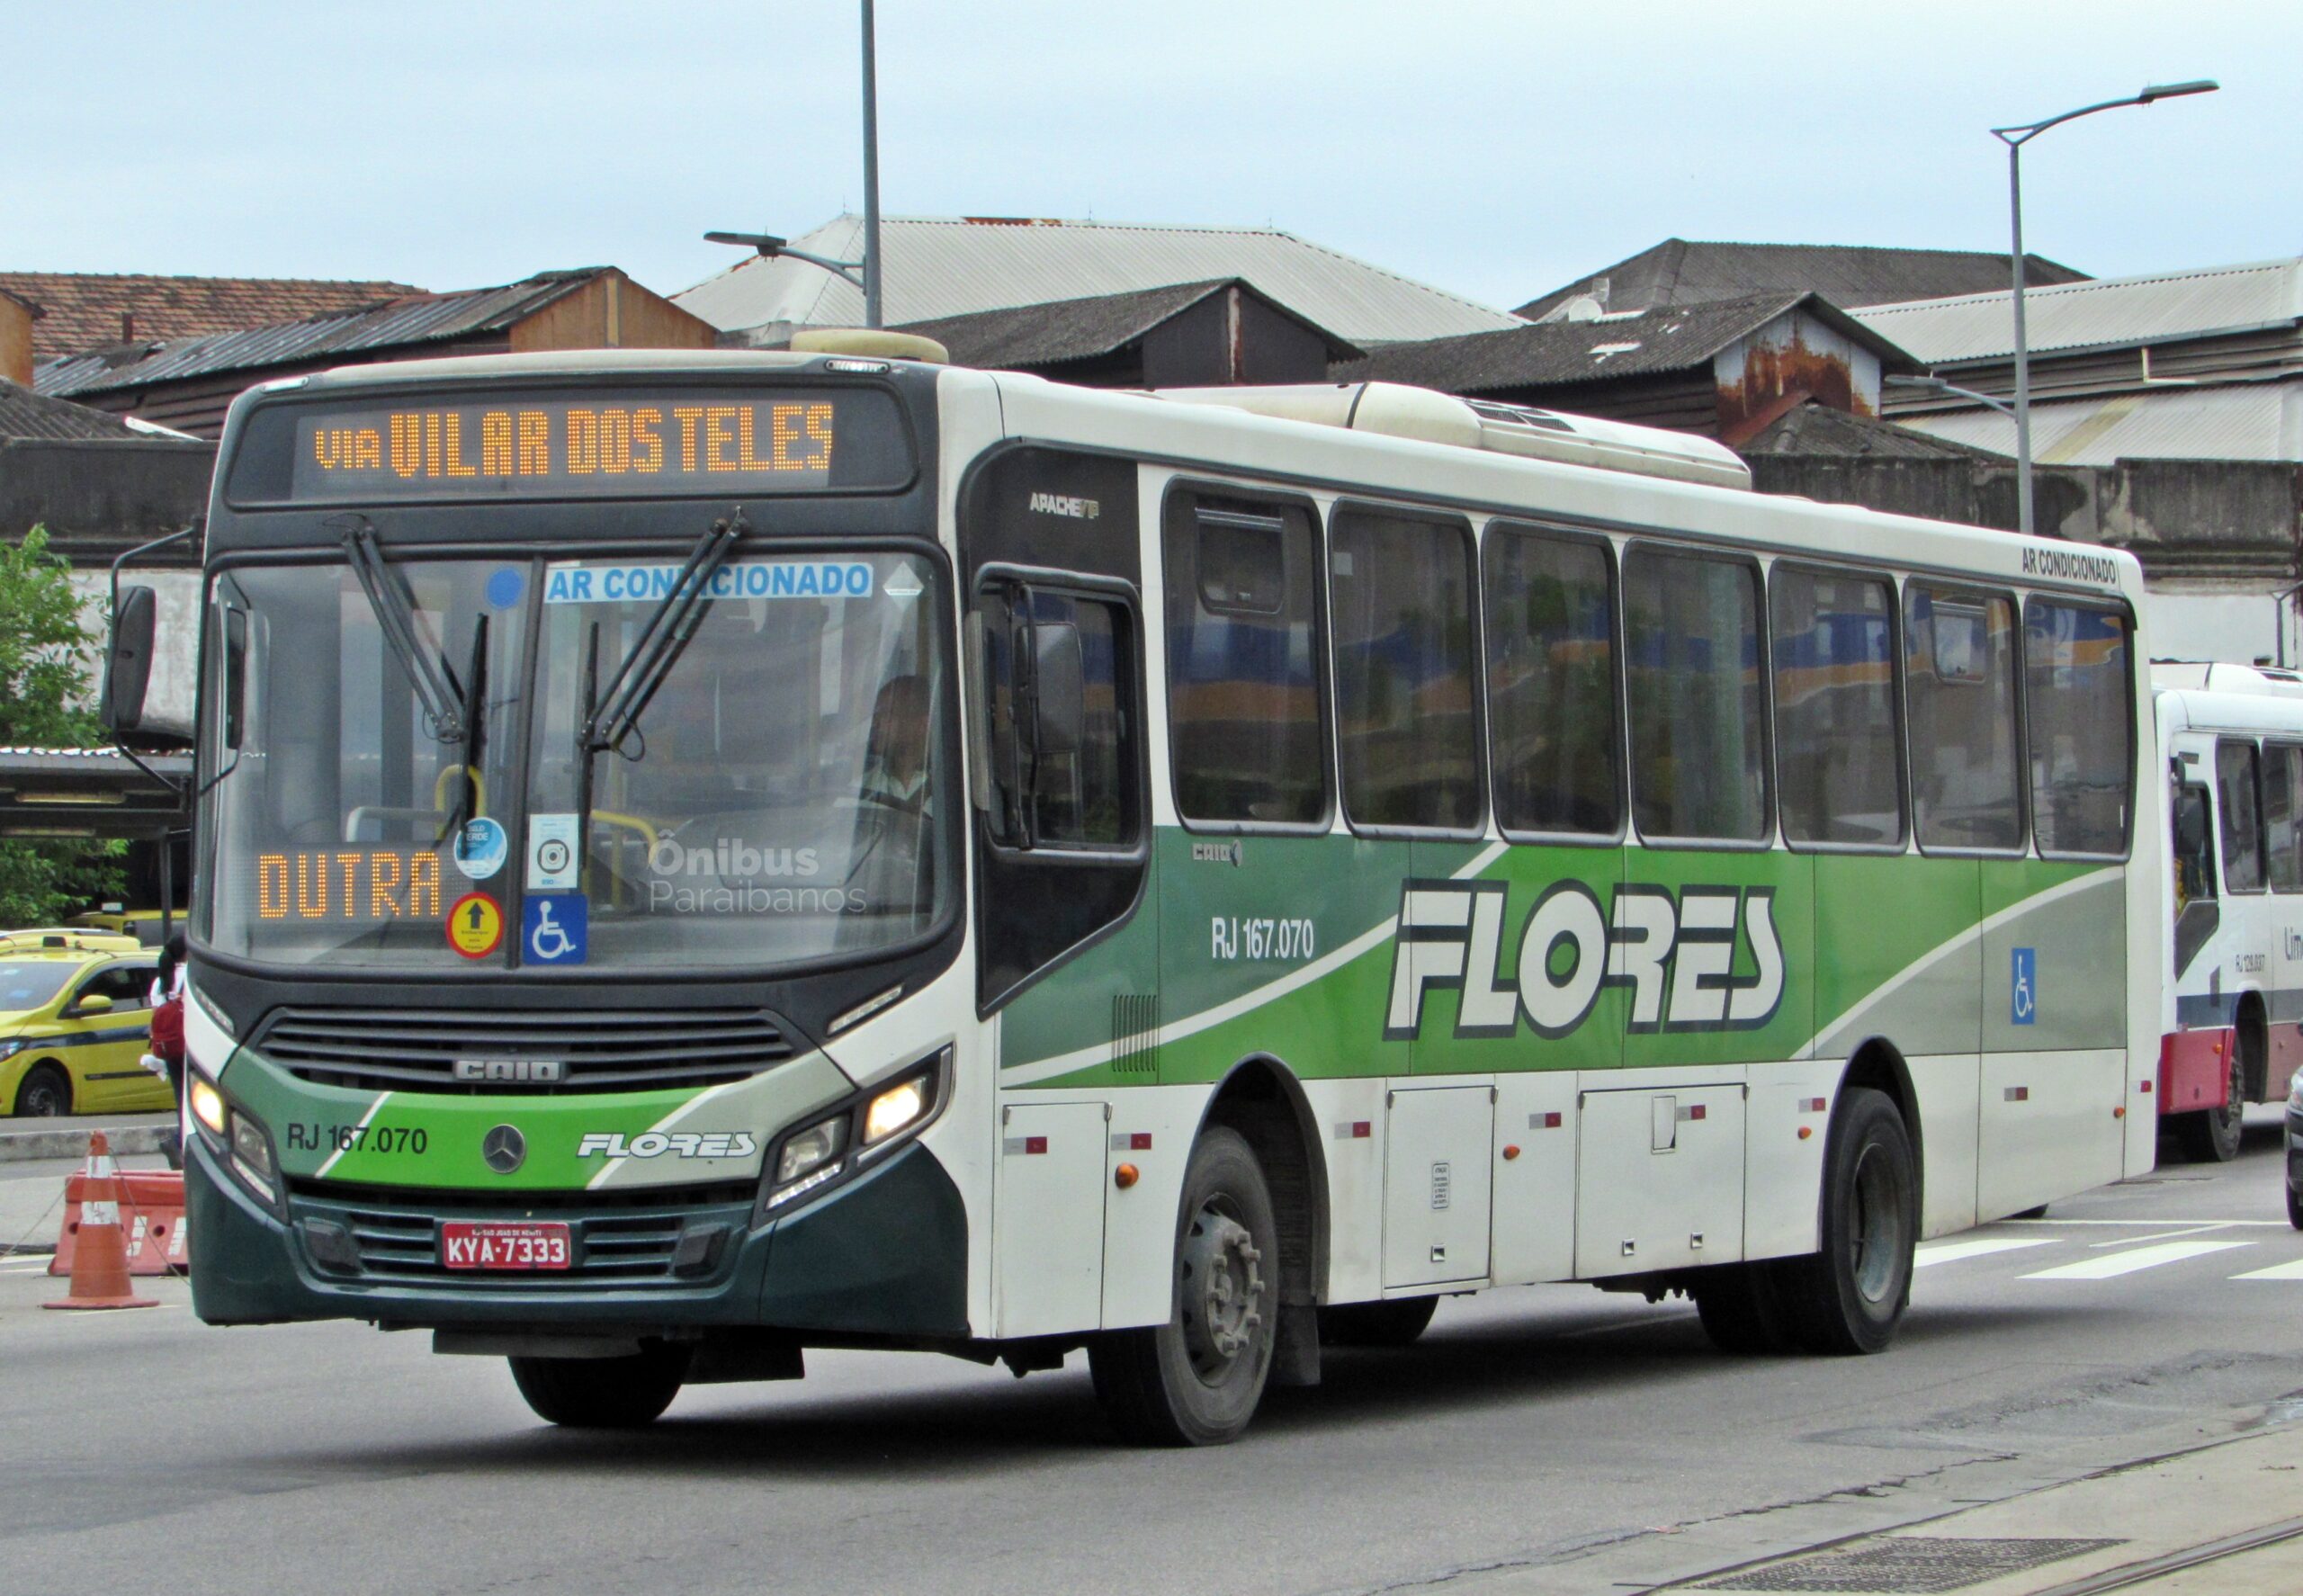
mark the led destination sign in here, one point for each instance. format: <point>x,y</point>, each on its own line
<point>621,445</point>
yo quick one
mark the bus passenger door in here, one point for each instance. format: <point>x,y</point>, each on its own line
<point>1437,1146</point>
<point>1050,1219</point>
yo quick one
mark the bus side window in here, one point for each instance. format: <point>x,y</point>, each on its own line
<point>2236,789</point>
<point>1698,730</point>
<point>1248,738</point>
<point>1555,734</point>
<point>1839,757</point>
<point>2283,814</point>
<point>1967,783</point>
<point>2079,703</point>
<point>1063,721</point>
<point>1404,671</point>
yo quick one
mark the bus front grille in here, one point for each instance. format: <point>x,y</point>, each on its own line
<point>631,1239</point>
<point>522,1052</point>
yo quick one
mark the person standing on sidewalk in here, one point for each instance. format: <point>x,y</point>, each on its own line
<point>167,1055</point>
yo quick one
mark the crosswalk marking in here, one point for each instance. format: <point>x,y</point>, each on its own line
<point>1953,1252</point>
<point>2113,1264</point>
<point>2278,1271</point>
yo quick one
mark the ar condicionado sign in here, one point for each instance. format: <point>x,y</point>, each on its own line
<point>347,885</point>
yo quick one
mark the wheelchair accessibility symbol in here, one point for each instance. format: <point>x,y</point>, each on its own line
<point>2023,996</point>
<point>554,926</point>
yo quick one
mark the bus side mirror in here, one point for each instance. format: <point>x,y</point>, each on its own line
<point>2190,827</point>
<point>128,663</point>
<point>1060,683</point>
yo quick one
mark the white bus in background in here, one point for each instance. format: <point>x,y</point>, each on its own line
<point>2231,743</point>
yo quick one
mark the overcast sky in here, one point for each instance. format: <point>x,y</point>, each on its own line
<point>1494,149</point>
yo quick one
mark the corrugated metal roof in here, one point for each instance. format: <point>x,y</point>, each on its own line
<point>2110,312</point>
<point>2240,421</point>
<point>24,414</point>
<point>1034,335</point>
<point>1671,338</point>
<point>941,266</point>
<point>418,320</point>
<point>1680,272</point>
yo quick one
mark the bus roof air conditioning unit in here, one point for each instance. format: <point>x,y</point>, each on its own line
<point>1397,410</point>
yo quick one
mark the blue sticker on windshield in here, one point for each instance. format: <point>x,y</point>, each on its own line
<point>554,927</point>
<point>506,585</point>
<point>480,849</point>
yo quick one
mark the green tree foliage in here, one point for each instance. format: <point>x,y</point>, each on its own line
<point>44,644</point>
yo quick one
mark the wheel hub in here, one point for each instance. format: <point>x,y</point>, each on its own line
<point>1221,1291</point>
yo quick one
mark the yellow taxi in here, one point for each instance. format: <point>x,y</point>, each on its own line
<point>75,1015</point>
<point>141,924</point>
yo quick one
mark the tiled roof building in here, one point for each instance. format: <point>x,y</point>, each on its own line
<point>84,311</point>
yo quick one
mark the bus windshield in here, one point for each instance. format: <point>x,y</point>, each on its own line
<point>773,801</point>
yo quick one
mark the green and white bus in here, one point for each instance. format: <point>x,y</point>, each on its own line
<point>705,857</point>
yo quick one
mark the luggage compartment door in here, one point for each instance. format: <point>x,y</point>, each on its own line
<point>1436,1185</point>
<point>1659,1179</point>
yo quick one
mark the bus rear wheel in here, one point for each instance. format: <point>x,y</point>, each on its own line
<point>1850,1296</point>
<point>602,1392</point>
<point>1196,1380</point>
<point>1395,1323</point>
<point>1740,1308</point>
<point>2211,1136</point>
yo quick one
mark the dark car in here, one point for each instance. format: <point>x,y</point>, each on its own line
<point>2295,1150</point>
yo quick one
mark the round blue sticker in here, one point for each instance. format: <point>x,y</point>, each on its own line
<point>505,586</point>
<point>480,848</point>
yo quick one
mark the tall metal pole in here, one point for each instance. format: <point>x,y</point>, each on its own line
<point>871,178</point>
<point>2022,353</point>
<point>2015,138</point>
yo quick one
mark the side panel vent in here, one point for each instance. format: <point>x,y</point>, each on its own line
<point>1136,1034</point>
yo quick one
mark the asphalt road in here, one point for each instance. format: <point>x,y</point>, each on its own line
<point>1554,1435</point>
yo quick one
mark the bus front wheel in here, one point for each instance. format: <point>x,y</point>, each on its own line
<point>602,1392</point>
<point>1850,1296</point>
<point>1196,1380</point>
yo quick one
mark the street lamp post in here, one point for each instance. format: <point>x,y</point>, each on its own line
<point>864,273</point>
<point>2015,138</point>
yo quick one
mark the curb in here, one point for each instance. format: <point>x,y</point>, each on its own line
<point>15,1145</point>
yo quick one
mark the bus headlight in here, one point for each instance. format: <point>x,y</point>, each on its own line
<point>252,1157</point>
<point>811,1149</point>
<point>207,1105</point>
<point>2295,1092</point>
<point>899,1106</point>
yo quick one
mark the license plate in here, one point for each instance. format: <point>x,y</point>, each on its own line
<point>503,1244</point>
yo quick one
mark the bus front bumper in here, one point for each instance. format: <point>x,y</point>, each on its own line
<point>883,1254</point>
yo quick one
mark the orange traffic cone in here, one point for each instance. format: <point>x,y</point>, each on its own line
<point>100,1256</point>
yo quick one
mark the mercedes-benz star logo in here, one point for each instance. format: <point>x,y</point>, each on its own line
<point>505,1149</point>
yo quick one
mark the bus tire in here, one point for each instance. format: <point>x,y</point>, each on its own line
<point>1741,1310</point>
<point>1196,1380</point>
<point>2295,1207</point>
<point>45,1092</point>
<point>1850,1296</point>
<point>1395,1323</point>
<point>602,1392</point>
<point>2211,1133</point>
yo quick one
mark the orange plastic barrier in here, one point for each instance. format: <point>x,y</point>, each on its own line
<point>151,1222</point>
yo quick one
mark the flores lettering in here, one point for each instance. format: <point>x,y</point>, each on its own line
<point>1677,954</point>
<point>678,1144</point>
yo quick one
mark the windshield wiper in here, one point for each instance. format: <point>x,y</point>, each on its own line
<point>395,612</point>
<point>609,720</point>
<point>452,709</point>
<point>472,703</point>
<point>605,717</point>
